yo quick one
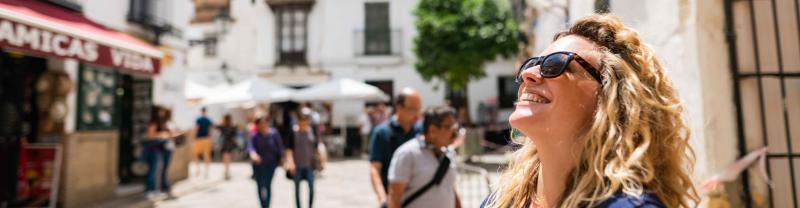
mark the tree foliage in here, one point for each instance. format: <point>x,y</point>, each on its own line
<point>456,37</point>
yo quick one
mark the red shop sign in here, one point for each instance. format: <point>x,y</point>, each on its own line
<point>39,41</point>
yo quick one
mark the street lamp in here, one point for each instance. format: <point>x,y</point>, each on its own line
<point>224,69</point>
<point>222,22</point>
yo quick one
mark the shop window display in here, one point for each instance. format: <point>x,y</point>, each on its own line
<point>96,98</point>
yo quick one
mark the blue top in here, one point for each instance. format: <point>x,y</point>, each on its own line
<point>618,200</point>
<point>385,139</point>
<point>269,147</point>
<point>203,124</point>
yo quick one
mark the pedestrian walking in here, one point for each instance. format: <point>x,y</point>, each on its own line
<point>158,148</point>
<point>202,143</point>
<point>300,154</point>
<point>265,149</point>
<point>388,136</point>
<point>603,126</point>
<point>422,172</point>
<point>365,127</point>
<point>228,131</point>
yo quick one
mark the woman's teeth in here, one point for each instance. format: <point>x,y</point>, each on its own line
<point>533,98</point>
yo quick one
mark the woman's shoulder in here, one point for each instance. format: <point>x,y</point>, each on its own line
<point>623,200</point>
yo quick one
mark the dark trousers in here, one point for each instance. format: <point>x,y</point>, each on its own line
<point>264,173</point>
<point>153,156</point>
<point>299,175</point>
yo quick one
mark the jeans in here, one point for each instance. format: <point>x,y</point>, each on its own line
<point>152,155</point>
<point>264,173</point>
<point>308,175</point>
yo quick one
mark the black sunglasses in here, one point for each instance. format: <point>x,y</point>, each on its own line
<point>554,64</point>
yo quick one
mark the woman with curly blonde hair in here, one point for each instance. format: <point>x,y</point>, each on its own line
<point>603,126</point>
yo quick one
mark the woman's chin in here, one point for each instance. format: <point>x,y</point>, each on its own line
<point>521,118</point>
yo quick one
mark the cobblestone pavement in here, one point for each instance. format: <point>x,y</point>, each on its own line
<point>342,184</point>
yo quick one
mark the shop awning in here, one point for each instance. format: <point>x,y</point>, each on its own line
<point>43,29</point>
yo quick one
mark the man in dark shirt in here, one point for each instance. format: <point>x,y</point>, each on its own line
<point>388,136</point>
<point>202,142</point>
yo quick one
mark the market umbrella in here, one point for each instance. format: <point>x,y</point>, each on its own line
<point>251,90</point>
<point>193,90</point>
<point>340,89</point>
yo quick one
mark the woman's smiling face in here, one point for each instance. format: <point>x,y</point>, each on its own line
<point>559,105</point>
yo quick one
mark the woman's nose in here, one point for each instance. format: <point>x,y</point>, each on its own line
<point>531,75</point>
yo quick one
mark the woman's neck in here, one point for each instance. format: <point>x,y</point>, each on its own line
<point>557,159</point>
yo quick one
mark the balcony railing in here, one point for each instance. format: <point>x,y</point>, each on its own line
<point>378,42</point>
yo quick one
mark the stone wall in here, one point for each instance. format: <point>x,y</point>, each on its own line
<point>90,168</point>
<point>179,166</point>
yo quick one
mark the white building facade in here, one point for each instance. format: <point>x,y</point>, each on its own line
<point>365,40</point>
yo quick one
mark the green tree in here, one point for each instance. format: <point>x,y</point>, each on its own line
<point>456,37</point>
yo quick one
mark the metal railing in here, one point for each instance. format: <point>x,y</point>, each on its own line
<point>762,76</point>
<point>473,184</point>
<point>378,42</point>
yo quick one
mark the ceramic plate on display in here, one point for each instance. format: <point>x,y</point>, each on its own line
<point>59,111</point>
<point>88,75</point>
<point>105,117</point>
<point>91,98</point>
<point>107,100</point>
<point>87,118</point>
<point>43,84</point>
<point>64,85</point>
<point>100,77</point>
<point>108,81</point>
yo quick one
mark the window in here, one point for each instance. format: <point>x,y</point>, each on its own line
<point>292,25</point>
<point>377,35</point>
<point>210,47</point>
<point>140,11</point>
<point>74,5</point>
<point>507,87</point>
<point>602,6</point>
<point>387,86</point>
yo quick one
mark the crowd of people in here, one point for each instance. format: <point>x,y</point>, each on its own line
<point>268,149</point>
<point>265,147</point>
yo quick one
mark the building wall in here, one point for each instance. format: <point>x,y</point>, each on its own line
<point>719,127</point>
<point>250,47</point>
<point>89,172</point>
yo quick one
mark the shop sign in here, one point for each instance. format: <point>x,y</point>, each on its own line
<point>39,170</point>
<point>35,40</point>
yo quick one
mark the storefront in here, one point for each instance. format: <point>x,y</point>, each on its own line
<point>72,93</point>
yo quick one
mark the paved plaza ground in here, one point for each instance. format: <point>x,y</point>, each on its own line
<point>344,183</point>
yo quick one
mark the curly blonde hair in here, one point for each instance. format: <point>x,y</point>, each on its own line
<point>637,140</point>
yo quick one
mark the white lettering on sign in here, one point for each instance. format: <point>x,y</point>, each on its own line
<point>36,39</point>
<point>91,51</point>
<point>131,60</point>
<point>76,48</point>
<point>58,39</point>
<point>30,37</point>
<point>7,32</point>
<point>46,41</point>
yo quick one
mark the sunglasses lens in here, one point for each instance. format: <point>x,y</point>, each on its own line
<point>554,65</point>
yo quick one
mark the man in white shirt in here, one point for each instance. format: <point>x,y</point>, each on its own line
<point>415,163</point>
